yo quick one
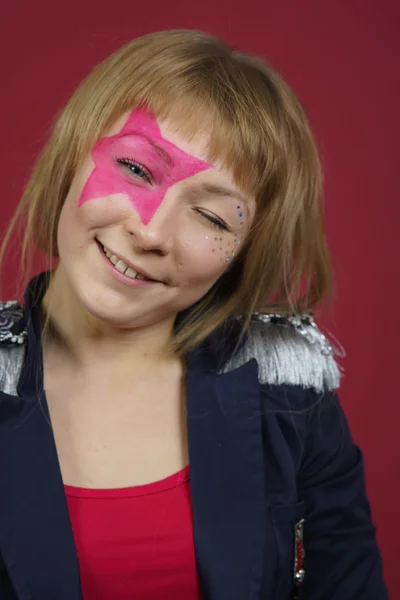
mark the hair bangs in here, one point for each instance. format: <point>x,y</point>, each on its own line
<point>198,106</point>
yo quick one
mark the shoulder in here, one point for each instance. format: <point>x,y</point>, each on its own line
<point>12,324</point>
<point>289,350</point>
<point>12,337</point>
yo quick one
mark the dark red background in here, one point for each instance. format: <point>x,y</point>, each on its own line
<point>342,57</point>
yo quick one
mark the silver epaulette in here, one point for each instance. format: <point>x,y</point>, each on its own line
<point>289,350</point>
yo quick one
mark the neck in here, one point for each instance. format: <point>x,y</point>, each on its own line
<point>89,341</point>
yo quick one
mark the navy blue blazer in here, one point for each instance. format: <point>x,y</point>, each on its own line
<point>263,458</point>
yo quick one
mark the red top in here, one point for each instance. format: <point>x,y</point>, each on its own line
<point>136,542</point>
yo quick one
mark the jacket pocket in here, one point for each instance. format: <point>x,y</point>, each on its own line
<point>288,525</point>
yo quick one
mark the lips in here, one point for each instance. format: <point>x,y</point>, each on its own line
<point>125,267</point>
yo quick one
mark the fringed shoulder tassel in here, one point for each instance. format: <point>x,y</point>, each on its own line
<point>289,350</point>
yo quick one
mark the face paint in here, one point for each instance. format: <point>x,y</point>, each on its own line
<point>229,251</point>
<point>139,140</point>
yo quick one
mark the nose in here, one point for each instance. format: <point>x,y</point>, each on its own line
<point>157,235</point>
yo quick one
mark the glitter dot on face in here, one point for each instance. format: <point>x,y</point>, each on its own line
<point>206,237</point>
<point>238,241</point>
<point>233,254</point>
<point>227,259</point>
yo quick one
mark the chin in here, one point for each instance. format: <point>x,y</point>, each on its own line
<point>106,305</point>
<point>117,310</point>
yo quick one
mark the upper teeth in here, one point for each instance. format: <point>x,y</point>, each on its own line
<point>122,267</point>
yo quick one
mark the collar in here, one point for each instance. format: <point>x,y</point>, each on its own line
<point>32,370</point>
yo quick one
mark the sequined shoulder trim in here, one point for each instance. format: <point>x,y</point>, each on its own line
<point>305,325</point>
<point>12,323</point>
<point>289,350</point>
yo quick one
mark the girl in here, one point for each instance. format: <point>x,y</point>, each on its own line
<point>170,426</point>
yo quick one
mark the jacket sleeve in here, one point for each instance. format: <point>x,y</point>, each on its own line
<point>342,559</point>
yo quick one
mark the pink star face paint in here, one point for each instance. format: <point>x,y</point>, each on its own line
<point>139,145</point>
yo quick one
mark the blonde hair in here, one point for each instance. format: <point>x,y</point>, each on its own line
<point>259,132</point>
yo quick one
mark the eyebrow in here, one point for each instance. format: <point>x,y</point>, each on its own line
<point>160,151</point>
<point>218,190</point>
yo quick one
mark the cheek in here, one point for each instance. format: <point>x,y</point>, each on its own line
<point>99,212</point>
<point>76,224</point>
<point>71,232</point>
<point>103,212</point>
<point>71,214</point>
<point>207,255</point>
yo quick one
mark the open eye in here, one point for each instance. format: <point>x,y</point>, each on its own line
<point>137,169</point>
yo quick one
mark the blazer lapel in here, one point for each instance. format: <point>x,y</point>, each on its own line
<point>36,540</point>
<point>227,481</point>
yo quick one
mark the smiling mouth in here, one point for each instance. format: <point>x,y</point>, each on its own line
<point>122,267</point>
